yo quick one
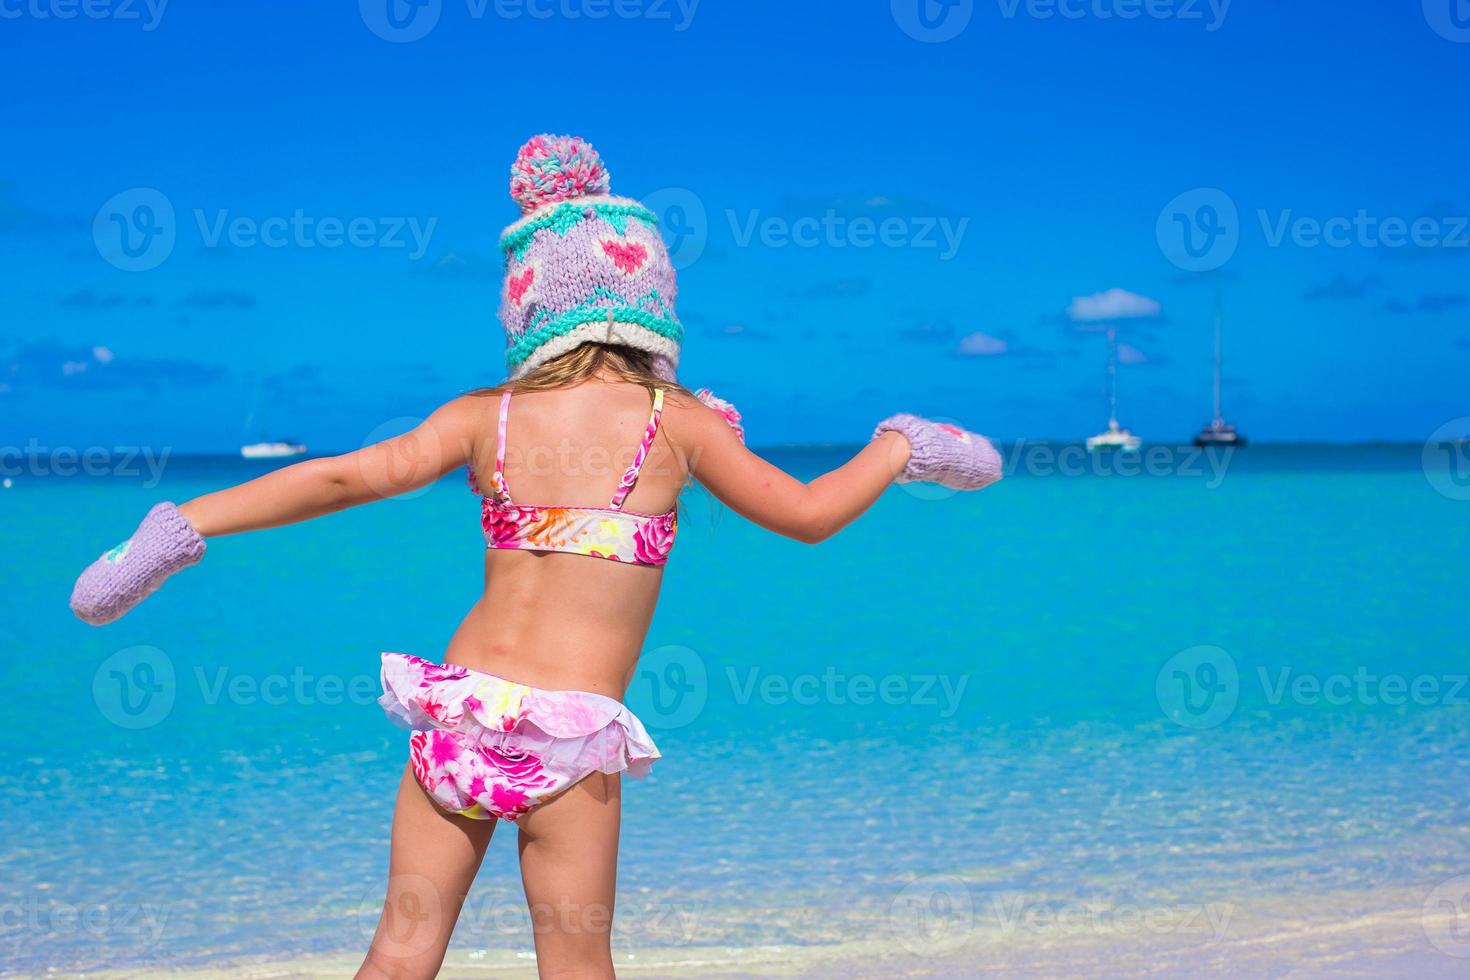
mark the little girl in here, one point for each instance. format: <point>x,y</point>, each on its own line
<point>578,476</point>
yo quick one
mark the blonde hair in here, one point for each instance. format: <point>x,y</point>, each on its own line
<point>587,361</point>
<point>583,363</point>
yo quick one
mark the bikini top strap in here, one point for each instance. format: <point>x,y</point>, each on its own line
<point>631,477</point>
<point>498,477</point>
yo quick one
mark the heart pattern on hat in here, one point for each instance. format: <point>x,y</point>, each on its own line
<point>629,257</point>
<point>517,286</point>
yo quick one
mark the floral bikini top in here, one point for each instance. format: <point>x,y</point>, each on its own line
<point>601,532</point>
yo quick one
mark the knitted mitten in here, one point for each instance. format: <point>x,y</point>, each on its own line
<point>944,454</point>
<point>125,576</point>
<point>731,414</point>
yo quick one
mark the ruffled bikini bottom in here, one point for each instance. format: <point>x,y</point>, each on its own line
<point>487,748</point>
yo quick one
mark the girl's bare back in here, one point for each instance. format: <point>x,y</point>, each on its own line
<point>554,620</point>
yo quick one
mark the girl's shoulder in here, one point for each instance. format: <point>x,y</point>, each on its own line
<point>698,418</point>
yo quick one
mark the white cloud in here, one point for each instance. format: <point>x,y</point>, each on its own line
<point>69,368</point>
<point>1115,304</point>
<point>1128,354</point>
<point>102,354</point>
<point>981,345</point>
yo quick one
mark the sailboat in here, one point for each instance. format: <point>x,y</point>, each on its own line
<point>1218,432</point>
<point>268,448</point>
<point>1116,438</point>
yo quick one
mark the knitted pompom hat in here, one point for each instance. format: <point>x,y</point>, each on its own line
<point>582,265</point>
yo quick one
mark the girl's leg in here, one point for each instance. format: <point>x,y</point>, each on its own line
<point>431,866</point>
<point>569,866</point>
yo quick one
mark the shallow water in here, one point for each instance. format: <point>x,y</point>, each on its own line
<point>1136,695</point>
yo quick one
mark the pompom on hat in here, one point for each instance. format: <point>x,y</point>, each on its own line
<point>581,265</point>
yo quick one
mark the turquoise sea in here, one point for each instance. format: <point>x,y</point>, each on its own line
<point>1158,711</point>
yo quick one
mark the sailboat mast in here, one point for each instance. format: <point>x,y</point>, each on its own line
<point>1219,418</point>
<point>253,411</point>
<point>1112,377</point>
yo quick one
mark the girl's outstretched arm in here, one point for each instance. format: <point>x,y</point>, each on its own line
<point>172,538</point>
<point>440,444</point>
<point>904,448</point>
<point>764,493</point>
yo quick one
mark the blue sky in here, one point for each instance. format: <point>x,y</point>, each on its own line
<point>873,218</point>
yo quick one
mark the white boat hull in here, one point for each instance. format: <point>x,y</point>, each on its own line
<point>1122,442</point>
<point>272,450</point>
